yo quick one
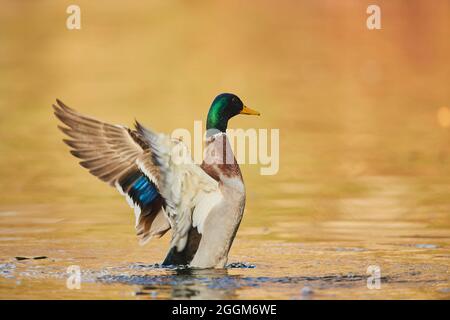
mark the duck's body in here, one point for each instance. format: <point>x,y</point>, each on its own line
<point>203,205</point>
<point>220,226</point>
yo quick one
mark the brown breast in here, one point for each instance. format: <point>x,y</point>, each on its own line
<point>219,161</point>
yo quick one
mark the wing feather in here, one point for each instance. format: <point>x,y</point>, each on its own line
<point>110,152</point>
<point>190,193</point>
<point>155,173</point>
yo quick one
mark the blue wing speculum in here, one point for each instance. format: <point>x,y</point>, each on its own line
<point>141,191</point>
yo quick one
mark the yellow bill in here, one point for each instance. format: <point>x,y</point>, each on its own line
<point>247,110</point>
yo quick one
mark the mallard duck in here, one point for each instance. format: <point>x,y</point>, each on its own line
<point>202,204</point>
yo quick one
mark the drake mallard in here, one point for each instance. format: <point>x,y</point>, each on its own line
<point>202,204</point>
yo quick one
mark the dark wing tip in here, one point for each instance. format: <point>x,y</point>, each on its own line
<point>143,130</point>
<point>70,143</point>
<point>138,125</point>
<point>60,108</point>
<point>76,153</point>
<point>60,103</point>
<point>64,107</point>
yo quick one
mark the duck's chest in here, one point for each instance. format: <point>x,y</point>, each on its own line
<point>219,162</point>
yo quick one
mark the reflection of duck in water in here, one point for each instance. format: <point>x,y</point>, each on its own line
<point>192,284</point>
<point>203,205</point>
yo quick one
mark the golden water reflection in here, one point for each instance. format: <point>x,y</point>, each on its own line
<point>364,144</point>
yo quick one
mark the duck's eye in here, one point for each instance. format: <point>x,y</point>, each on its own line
<point>234,100</point>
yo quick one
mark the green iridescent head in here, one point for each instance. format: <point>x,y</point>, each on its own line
<point>224,107</point>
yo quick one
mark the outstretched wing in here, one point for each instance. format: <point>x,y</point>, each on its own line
<point>189,192</point>
<point>154,172</point>
<point>110,152</point>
